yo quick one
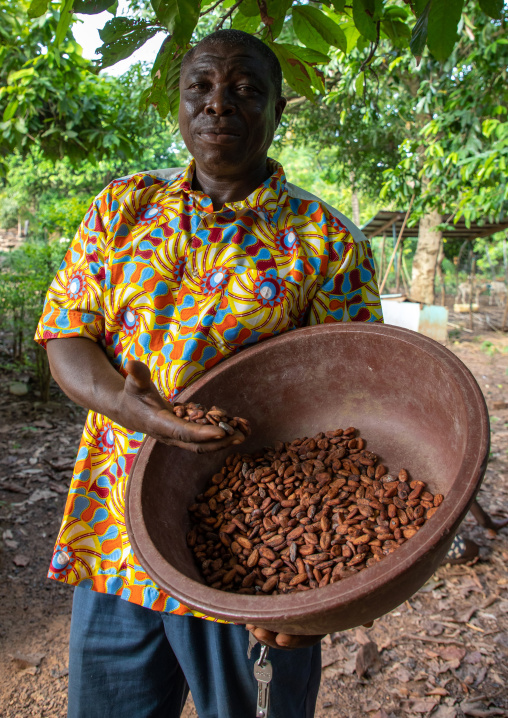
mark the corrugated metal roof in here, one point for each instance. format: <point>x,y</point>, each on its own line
<point>384,220</point>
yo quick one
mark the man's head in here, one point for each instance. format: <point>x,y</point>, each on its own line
<point>231,104</point>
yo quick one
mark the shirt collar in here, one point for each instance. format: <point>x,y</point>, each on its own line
<point>265,199</point>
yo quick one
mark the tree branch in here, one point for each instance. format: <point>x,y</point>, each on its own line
<point>231,10</point>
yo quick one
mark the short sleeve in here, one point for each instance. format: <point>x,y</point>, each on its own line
<point>349,292</point>
<point>74,304</point>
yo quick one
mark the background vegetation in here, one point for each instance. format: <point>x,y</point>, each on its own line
<point>390,101</point>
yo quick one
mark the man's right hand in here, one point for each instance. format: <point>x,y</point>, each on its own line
<point>85,374</point>
<point>142,408</point>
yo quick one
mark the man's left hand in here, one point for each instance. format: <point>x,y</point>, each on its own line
<point>282,640</point>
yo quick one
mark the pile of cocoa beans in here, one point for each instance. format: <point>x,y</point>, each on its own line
<point>190,411</point>
<point>302,515</point>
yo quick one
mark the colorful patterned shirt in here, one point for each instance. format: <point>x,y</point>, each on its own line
<point>155,274</point>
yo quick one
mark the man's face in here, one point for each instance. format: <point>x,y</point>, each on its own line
<point>228,108</point>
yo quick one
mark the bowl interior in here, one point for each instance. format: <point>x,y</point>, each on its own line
<point>415,404</point>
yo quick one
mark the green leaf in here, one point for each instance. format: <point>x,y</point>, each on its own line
<point>91,7</point>
<point>306,54</point>
<point>245,23</point>
<point>10,110</point>
<point>164,93</point>
<point>179,16</point>
<point>64,21</point>
<point>317,30</point>
<point>444,16</point>
<point>294,70</point>
<point>338,5</point>
<point>366,13</point>
<point>393,11</point>
<point>275,15</point>
<point>351,33</point>
<point>38,8</point>
<point>419,34</point>
<point>359,84</point>
<point>492,8</point>
<point>122,36</point>
<point>249,8</point>
<point>398,32</point>
<point>19,74</point>
<point>186,20</point>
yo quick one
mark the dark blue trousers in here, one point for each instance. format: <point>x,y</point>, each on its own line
<point>127,661</point>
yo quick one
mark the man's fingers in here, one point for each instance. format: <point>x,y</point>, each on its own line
<point>263,636</point>
<point>282,640</point>
<point>204,447</point>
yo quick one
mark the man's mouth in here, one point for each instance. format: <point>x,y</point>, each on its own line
<point>219,135</point>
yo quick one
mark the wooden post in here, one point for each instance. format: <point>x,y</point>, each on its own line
<point>462,247</point>
<point>396,246</point>
<point>439,267</point>
<point>399,263</point>
<point>382,262</point>
<point>471,283</point>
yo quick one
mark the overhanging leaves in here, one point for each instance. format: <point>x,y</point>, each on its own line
<point>38,8</point>
<point>91,7</point>
<point>366,13</point>
<point>64,21</point>
<point>316,30</point>
<point>178,16</point>
<point>444,16</point>
<point>122,36</point>
<point>296,71</point>
<point>397,31</point>
<point>419,35</point>
<point>164,93</point>
<point>492,8</point>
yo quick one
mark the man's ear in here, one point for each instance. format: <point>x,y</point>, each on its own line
<point>279,109</point>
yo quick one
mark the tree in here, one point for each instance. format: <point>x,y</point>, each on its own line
<point>51,99</point>
<point>53,195</point>
<point>318,27</point>
<point>455,162</point>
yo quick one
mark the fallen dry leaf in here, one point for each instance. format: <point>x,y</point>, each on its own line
<point>452,653</point>
<point>329,656</point>
<point>366,658</point>
<point>423,706</point>
<point>20,560</point>
<point>361,637</point>
<point>437,691</point>
<point>27,662</point>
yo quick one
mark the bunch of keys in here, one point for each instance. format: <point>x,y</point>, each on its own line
<point>263,675</point>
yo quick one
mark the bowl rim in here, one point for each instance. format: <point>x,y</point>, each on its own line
<point>243,608</point>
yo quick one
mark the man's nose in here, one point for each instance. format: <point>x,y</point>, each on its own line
<point>220,103</point>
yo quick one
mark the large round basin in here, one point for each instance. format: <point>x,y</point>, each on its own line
<point>414,402</point>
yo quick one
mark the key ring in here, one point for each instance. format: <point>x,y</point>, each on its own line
<point>262,656</point>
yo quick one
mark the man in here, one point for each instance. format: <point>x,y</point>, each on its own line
<point>170,273</point>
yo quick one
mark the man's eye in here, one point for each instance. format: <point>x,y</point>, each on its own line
<point>247,89</point>
<point>198,86</point>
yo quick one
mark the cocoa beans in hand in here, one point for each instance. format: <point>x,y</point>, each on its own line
<point>303,514</point>
<point>197,413</point>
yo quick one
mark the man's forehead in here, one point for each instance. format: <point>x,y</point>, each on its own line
<point>237,58</point>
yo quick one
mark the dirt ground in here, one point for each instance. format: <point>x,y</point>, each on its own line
<point>443,653</point>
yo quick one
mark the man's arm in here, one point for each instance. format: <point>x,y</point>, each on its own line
<point>84,373</point>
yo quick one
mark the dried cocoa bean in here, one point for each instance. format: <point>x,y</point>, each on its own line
<point>301,515</point>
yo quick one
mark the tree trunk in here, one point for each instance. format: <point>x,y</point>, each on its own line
<point>425,259</point>
<point>440,273</point>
